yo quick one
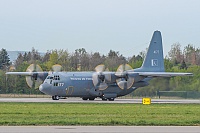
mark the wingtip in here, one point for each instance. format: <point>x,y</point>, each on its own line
<point>190,74</point>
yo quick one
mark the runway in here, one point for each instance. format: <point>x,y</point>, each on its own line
<point>117,100</point>
<point>99,129</point>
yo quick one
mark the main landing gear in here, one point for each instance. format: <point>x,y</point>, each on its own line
<point>103,99</point>
<point>91,98</point>
<point>109,99</point>
<point>55,97</point>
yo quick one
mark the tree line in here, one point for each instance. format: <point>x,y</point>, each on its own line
<point>177,60</point>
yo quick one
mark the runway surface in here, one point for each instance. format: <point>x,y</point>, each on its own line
<point>79,100</point>
<point>99,129</point>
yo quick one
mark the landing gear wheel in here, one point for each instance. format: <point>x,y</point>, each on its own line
<point>91,99</point>
<point>111,99</point>
<point>55,97</point>
<point>104,99</point>
<point>85,98</point>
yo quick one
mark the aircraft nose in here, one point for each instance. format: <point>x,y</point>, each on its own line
<point>41,88</point>
<point>45,88</point>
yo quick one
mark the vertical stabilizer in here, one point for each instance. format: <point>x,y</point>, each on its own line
<point>154,58</point>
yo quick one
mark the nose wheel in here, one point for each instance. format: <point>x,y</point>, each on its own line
<point>55,97</point>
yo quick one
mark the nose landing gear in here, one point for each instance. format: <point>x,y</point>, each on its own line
<point>55,97</point>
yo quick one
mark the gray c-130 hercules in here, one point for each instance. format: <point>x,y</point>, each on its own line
<point>101,83</point>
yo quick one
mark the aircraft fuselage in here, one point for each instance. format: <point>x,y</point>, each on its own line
<point>79,84</point>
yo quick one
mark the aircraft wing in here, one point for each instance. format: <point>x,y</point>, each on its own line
<point>163,74</point>
<point>25,73</point>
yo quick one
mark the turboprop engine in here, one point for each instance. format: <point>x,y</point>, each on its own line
<point>124,77</point>
<point>37,76</point>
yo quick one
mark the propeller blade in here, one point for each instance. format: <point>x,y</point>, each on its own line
<point>99,78</point>
<point>128,67</point>
<point>29,81</point>
<point>102,86</point>
<point>121,69</point>
<point>38,68</point>
<point>38,82</point>
<point>95,79</point>
<point>100,68</point>
<point>124,81</point>
<point>56,68</point>
<point>34,81</point>
<point>34,68</point>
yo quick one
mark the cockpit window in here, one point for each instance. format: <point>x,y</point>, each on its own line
<point>56,77</point>
<point>49,77</point>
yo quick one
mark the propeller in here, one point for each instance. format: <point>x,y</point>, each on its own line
<point>100,77</point>
<point>125,80</point>
<point>37,75</point>
<point>100,68</point>
<point>34,81</point>
<point>56,68</point>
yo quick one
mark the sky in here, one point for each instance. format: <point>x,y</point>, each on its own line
<point>97,25</point>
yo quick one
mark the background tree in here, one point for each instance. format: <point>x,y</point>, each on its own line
<point>114,59</point>
<point>175,54</point>
<point>53,59</point>
<point>80,59</point>
<point>135,61</point>
<point>4,59</point>
<point>197,54</point>
<point>63,59</point>
<point>189,52</point>
<point>20,59</point>
<point>183,65</point>
<point>168,64</point>
<point>96,59</point>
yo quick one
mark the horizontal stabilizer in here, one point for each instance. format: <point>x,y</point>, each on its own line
<point>163,74</point>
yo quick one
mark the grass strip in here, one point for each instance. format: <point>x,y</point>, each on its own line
<point>99,114</point>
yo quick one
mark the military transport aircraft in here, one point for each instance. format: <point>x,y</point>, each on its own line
<point>101,83</point>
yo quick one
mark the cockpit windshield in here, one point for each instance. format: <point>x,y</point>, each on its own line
<point>56,77</point>
<point>49,77</point>
<point>54,80</point>
<point>53,77</point>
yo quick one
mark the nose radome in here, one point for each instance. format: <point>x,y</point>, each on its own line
<point>41,88</point>
<point>45,88</point>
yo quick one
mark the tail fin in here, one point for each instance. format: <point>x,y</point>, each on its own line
<point>154,61</point>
